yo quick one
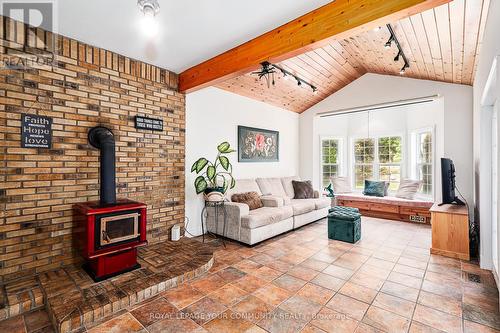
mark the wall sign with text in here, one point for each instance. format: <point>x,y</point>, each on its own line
<point>36,131</point>
<point>148,123</point>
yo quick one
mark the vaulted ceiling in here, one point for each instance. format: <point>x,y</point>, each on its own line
<point>441,44</point>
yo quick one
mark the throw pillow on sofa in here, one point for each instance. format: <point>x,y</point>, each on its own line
<point>341,185</point>
<point>408,189</point>
<point>374,188</point>
<point>303,190</point>
<point>252,199</point>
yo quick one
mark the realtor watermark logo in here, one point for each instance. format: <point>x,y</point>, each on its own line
<point>40,16</point>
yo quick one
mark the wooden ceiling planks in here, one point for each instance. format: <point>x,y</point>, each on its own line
<point>442,44</point>
<point>482,24</point>
<point>315,29</point>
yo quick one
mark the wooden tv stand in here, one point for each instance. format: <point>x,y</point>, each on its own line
<point>450,231</point>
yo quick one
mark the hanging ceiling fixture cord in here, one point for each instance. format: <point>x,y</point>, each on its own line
<point>400,53</point>
<point>268,72</point>
<point>369,124</point>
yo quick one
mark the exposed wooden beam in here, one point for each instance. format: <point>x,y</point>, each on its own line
<point>338,19</point>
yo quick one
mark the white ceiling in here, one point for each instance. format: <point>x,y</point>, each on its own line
<point>190,31</point>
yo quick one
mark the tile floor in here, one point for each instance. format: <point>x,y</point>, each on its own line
<point>74,301</point>
<point>303,282</point>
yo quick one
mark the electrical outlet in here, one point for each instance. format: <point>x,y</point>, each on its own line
<point>418,219</point>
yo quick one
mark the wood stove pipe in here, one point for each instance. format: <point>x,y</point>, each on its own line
<point>102,138</point>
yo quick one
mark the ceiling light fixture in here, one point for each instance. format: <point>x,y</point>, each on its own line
<point>149,8</point>
<point>403,69</point>
<point>268,71</point>
<point>400,53</point>
<point>389,42</point>
<point>396,58</point>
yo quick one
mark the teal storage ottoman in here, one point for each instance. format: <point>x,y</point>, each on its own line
<point>343,209</point>
<point>344,225</point>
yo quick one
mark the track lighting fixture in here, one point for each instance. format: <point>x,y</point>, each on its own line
<point>400,53</point>
<point>403,69</point>
<point>389,42</point>
<point>268,71</point>
<point>396,58</point>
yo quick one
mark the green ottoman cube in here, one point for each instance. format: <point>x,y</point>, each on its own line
<point>344,225</point>
<point>343,209</point>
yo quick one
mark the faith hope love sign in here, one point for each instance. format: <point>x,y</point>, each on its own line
<point>36,131</point>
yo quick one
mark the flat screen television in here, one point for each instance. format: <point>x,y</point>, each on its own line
<point>448,182</point>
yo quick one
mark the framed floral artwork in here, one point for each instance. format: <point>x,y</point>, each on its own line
<point>257,145</point>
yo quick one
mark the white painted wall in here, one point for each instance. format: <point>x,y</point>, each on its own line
<point>374,89</point>
<point>489,49</point>
<point>213,116</point>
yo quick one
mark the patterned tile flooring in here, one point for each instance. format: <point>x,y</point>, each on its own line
<point>303,282</point>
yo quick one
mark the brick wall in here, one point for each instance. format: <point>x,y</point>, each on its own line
<point>85,86</point>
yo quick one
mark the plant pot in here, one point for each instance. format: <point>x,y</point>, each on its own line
<point>214,189</point>
<point>214,194</point>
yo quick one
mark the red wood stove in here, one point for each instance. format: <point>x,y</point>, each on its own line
<point>113,229</point>
<point>112,235</point>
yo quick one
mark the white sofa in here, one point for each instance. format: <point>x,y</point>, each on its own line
<point>280,212</point>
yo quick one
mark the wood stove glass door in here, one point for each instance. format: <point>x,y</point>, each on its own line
<point>119,228</point>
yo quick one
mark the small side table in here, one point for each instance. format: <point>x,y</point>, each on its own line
<point>217,206</point>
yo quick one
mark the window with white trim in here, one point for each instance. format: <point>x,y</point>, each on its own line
<point>378,159</point>
<point>330,159</point>
<point>424,161</point>
<point>364,158</point>
<point>389,158</point>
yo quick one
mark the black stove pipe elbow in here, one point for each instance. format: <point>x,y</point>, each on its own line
<point>103,139</point>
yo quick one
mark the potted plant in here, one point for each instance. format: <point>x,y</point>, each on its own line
<point>214,177</point>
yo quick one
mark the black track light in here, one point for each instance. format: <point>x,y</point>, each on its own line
<point>269,70</point>
<point>403,69</point>
<point>400,53</point>
<point>389,42</point>
<point>396,58</point>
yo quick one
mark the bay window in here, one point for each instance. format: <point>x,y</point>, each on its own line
<point>377,159</point>
<point>330,159</point>
<point>364,157</point>
<point>423,166</point>
<point>389,157</point>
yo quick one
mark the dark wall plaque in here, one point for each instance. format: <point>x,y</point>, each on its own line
<point>148,123</point>
<point>36,131</point>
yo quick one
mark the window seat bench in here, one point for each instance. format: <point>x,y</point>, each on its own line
<point>391,208</point>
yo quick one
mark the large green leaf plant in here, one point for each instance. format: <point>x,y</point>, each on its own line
<point>214,174</point>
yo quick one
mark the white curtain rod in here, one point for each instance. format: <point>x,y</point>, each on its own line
<point>381,106</point>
